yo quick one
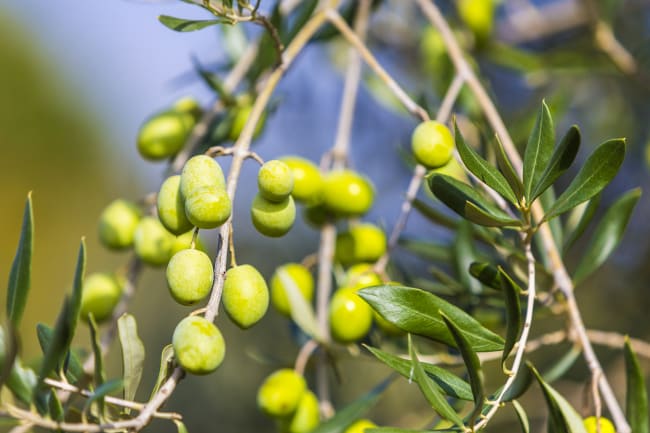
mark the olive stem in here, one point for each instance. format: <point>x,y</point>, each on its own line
<point>558,268</point>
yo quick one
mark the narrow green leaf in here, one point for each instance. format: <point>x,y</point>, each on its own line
<point>100,374</point>
<point>636,397</point>
<point>180,427</point>
<point>418,312</point>
<point>58,347</point>
<point>547,199</point>
<point>538,150</point>
<point>8,353</point>
<point>504,164</point>
<point>57,412</point>
<point>434,215</point>
<point>562,365</point>
<point>579,220</point>
<point>166,367</point>
<point>107,387</point>
<point>521,416</point>
<point>22,381</point>
<point>74,367</point>
<point>20,276</point>
<point>427,249</point>
<point>77,288</point>
<point>523,380</point>
<point>466,202</point>
<point>397,430</point>
<point>448,382</point>
<point>486,274</point>
<point>597,172</point>
<point>464,255</point>
<point>352,412</point>
<point>302,312</point>
<point>430,390</point>
<point>473,365</point>
<point>608,234</point>
<point>514,321</point>
<point>482,169</point>
<point>132,354</point>
<point>563,418</point>
<point>184,25</point>
<point>562,158</point>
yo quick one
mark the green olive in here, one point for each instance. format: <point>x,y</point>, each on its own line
<point>360,426</point>
<point>240,117</point>
<point>307,180</point>
<point>171,206</point>
<point>117,224</point>
<point>432,144</point>
<point>290,273</point>
<point>199,173</point>
<point>362,243</point>
<point>275,181</point>
<point>350,316</point>
<point>347,193</point>
<point>281,392</point>
<point>189,276</point>
<point>184,241</point>
<point>306,417</point>
<point>245,295</point>
<point>208,208</point>
<point>198,345</point>
<point>273,219</point>
<point>163,135</point>
<point>190,106</point>
<point>100,294</point>
<point>360,276</point>
<point>591,423</point>
<point>478,15</point>
<point>153,243</point>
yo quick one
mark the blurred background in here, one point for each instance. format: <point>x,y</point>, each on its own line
<point>78,79</point>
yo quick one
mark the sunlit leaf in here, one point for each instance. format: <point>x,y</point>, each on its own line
<point>100,392</point>
<point>636,397</point>
<point>521,416</point>
<point>418,312</point>
<point>132,354</point>
<point>180,427</point>
<point>166,367</point>
<point>100,374</point>
<point>562,158</point>
<point>184,25</point>
<point>504,164</point>
<point>608,234</point>
<point>538,150</point>
<point>448,382</point>
<point>20,276</point>
<point>74,367</point>
<point>596,173</point>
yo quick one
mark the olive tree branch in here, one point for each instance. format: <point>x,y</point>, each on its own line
<point>559,271</point>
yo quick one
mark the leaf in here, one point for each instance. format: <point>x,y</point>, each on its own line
<point>184,25</point>
<point>563,418</point>
<point>132,354</point>
<point>57,412</point>
<point>77,288</point>
<point>464,255</point>
<point>180,427</point>
<point>584,213</point>
<point>20,276</point>
<point>597,172</point>
<point>486,274</point>
<point>473,365</point>
<point>434,215</point>
<point>108,387</point>
<point>523,380</point>
<point>521,416</point>
<point>166,367</point>
<point>100,374</point>
<point>466,202</point>
<point>430,390</point>
<point>561,160</point>
<point>352,412</point>
<point>427,249</point>
<point>538,151</point>
<point>608,234</point>
<point>418,312</point>
<point>482,169</point>
<point>504,164</point>
<point>448,382</point>
<point>22,381</point>
<point>562,365</point>
<point>514,321</point>
<point>636,397</point>
<point>75,368</point>
<point>301,311</point>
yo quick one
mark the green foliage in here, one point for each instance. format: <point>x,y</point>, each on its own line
<point>636,402</point>
<point>20,276</point>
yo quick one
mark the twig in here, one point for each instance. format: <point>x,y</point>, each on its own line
<point>303,356</point>
<point>559,271</point>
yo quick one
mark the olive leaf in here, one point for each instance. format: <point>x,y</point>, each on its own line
<point>636,396</point>
<point>20,275</point>
<point>185,25</point>
<point>538,150</point>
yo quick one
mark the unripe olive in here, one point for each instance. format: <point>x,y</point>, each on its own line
<point>117,224</point>
<point>346,192</point>
<point>281,392</point>
<point>305,418</point>
<point>362,243</point>
<point>208,208</point>
<point>478,15</point>
<point>201,172</point>
<point>189,276</point>
<point>360,276</point>
<point>273,219</point>
<point>163,135</point>
<point>245,295</point>
<point>190,106</point>
<point>198,345</point>
<point>350,316</point>
<point>184,241</point>
<point>432,144</point>
<point>240,117</point>
<point>360,426</point>
<point>275,181</point>
<point>171,206</point>
<point>591,423</point>
<point>153,243</point>
<point>100,294</point>
<point>307,180</point>
<point>298,275</point>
